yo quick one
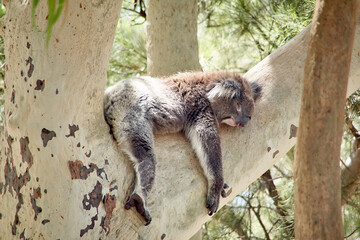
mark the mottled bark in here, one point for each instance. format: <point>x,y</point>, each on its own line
<point>172,37</point>
<point>316,167</point>
<point>54,179</point>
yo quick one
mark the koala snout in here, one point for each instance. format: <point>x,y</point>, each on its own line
<point>242,121</point>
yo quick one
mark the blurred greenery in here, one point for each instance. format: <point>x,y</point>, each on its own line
<point>128,57</point>
<point>240,33</point>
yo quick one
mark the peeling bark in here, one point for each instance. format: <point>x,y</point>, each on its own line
<point>48,89</point>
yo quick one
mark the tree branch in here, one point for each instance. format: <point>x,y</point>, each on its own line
<point>350,174</point>
<point>257,214</point>
<point>270,185</point>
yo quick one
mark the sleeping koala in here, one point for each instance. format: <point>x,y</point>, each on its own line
<point>194,103</point>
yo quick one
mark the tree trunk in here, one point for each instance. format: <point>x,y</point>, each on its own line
<point>78,178</point>
<point>172,37</point>
<point>55,147</point>
<point>316,167</point>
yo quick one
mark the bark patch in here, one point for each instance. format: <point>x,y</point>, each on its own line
<point>113,188</point>
<point>16,218</point>
<point>13,182</point>
<point>12,99</point>
<point>293,131</point>
<point>88,227</point>
<point>46,136</point>
<point>22,236</point>
<point>31,66</point>
<point>36,195</point>
<point>73,128</point>
<point>79,171</point>
<point>275,153</point>
<point>40,85</point>
<point>88,154</point>
<point>109,204</point>
<point>45,221</point>
<point>92,200</point>
<point>25,151</point>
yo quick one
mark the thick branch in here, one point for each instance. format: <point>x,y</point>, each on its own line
<point>178,200</point>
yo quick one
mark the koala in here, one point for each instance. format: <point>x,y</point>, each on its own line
<point>194,103</point>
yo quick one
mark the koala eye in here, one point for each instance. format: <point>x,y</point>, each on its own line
<point>238,107</point>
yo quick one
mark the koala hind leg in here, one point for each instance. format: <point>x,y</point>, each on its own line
<point>139,146</point>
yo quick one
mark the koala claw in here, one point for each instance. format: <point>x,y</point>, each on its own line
<point>212,204</point>
<point>136,201</point>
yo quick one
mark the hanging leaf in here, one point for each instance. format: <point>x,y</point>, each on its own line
<point>35,4</point>
<point>55,8</point>
<point>53,15</point>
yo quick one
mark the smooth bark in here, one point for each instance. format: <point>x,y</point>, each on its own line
<point>317,179</point>
<point>172,37</point>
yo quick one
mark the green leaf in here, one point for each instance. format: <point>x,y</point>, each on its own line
<point>55,8</point>
<point>35,4</point>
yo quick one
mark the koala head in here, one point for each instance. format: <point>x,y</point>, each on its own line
<point>233,100</point>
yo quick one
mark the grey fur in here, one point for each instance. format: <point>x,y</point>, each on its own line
<point>194,103</point>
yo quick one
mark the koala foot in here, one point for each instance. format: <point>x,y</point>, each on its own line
<point>212,203</point>
<point>213,198</point>
<point>225,192</point>
<point>136,201</point>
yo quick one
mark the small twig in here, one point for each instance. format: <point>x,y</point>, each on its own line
<point>352,232</point>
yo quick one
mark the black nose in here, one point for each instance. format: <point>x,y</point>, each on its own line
<point>244,120</point>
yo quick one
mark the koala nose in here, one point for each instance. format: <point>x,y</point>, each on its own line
<point>242,121</point>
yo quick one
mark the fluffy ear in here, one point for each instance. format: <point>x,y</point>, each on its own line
<point>226,89</point>
<point>210,86</point>
<point>256,89</point>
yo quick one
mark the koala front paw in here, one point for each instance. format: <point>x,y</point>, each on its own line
<point>136,201</point>
<point>213,197</point>
<point>212,203</point>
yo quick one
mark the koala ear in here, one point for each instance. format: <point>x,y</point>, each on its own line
<point>256,89</point>
<point>210,86</point>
